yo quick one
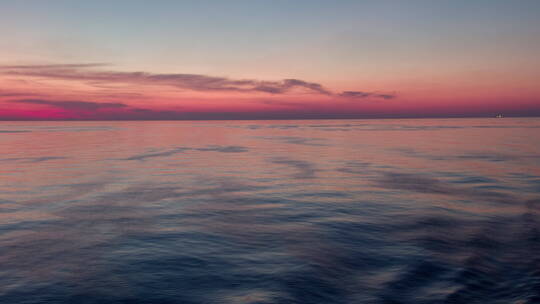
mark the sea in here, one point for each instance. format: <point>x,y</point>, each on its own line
<point>297,211</point>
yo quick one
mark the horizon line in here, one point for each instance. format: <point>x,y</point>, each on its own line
<point>277,119</point>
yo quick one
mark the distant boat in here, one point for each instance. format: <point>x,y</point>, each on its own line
<point>499,116</point>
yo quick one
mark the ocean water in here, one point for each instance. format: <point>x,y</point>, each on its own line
<point>321,211</point>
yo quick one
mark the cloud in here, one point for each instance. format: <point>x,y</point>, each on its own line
<point>72,105</point>
<point>291,83</point>
<point>195,82</point>
<point>14,131</point>
<point>10,94</point>
<point>16,93</point>
<point>90,110</point>
<point>361,94</point>
<point>53,66</point>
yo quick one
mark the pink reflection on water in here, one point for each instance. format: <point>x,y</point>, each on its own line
<point>93,184</point>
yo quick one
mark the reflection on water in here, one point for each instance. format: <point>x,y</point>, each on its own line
<point>388,211</point>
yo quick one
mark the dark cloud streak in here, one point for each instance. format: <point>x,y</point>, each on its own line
<point>53,66</point>
<point>72,105</point>
<point>195,82</point>
<point>361,94</point>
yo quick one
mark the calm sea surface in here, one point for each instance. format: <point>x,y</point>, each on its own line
<point>322,211</point>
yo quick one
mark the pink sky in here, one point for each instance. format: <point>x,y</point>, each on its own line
<point>245,60</point>
<point>79,91</point>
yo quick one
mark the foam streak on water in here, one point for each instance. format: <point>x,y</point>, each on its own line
<point>326,211</point>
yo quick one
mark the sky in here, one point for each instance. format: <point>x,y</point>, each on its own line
<point>146,60</point>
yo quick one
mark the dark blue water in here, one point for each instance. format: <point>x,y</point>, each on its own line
<point>365,211</point>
